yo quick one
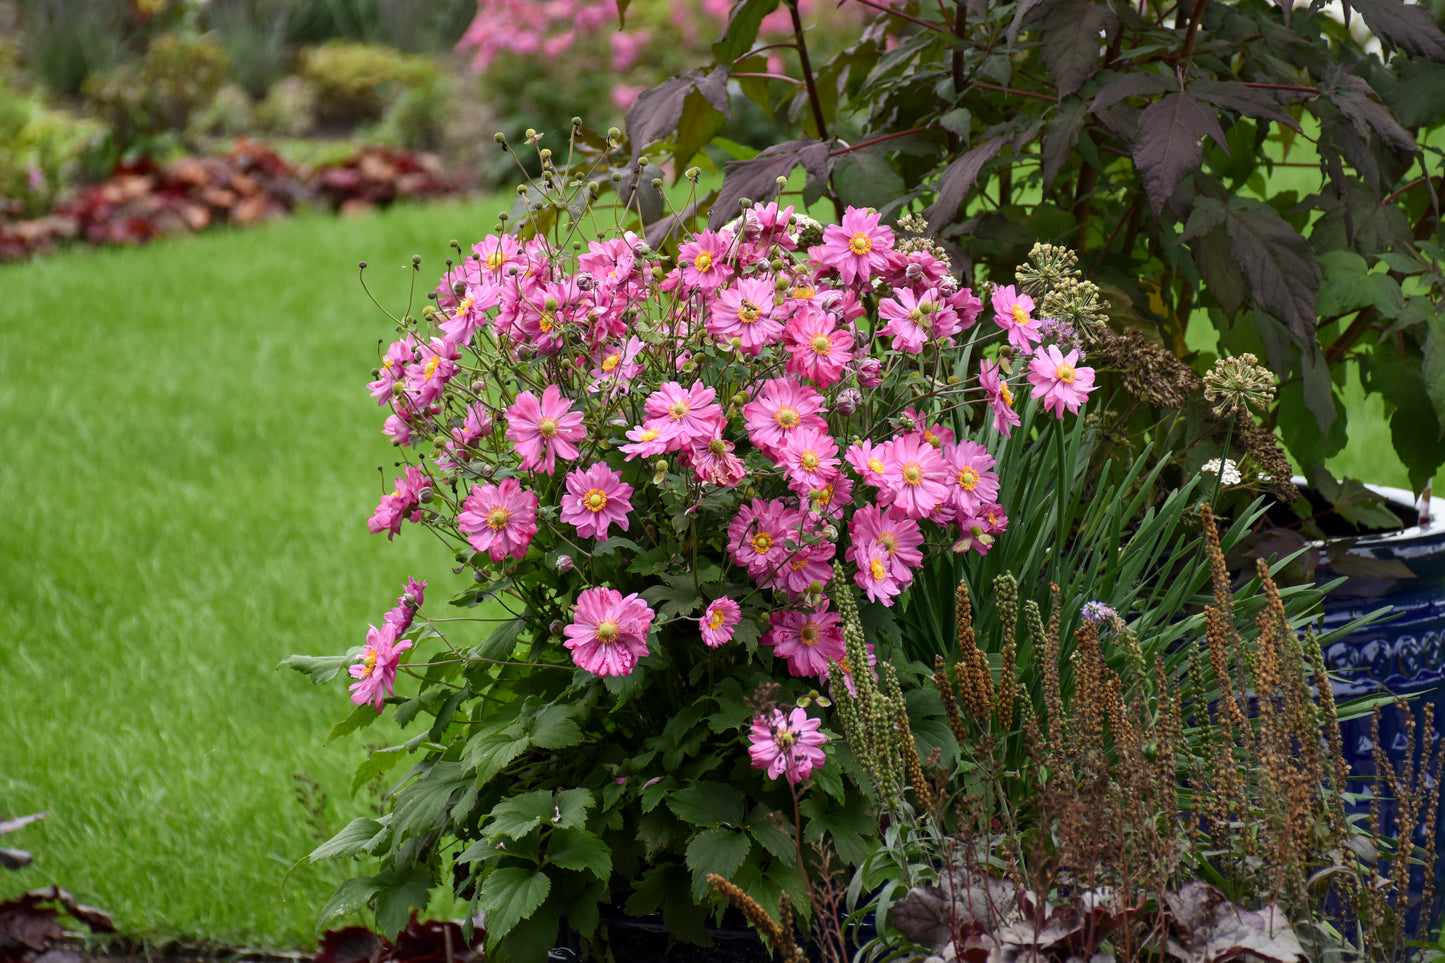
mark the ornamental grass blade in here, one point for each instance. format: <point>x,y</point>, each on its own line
<point>1168,148</point>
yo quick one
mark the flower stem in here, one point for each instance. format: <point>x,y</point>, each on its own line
<point>1223,460</point>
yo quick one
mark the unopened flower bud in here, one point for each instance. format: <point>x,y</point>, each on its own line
<point>829,533</point>
<point>740,398</point>
<point>564,563</point>
<point>556,627</point>
<point>870,373</point>
<point>848,401</point>
<point>499,137</point>
<point>692,173</point>
<point>913,272</point>
<point>614,134</point>
<point>660,465</point>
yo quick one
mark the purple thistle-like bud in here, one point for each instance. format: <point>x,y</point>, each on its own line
<point>848,401</point>
<point>1098,613</point>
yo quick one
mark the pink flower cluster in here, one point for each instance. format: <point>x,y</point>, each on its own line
<point>376,667</point>
<point>744,395</point>
<point>787,744</point>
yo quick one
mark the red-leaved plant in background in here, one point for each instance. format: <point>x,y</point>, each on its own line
<point>652,466</point>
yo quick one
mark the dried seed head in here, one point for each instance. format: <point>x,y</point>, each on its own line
<point>1238,383</point>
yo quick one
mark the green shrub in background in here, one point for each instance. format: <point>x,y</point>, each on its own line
<point>355,82</point>
<point>40,148</point>
<point>148,103</point>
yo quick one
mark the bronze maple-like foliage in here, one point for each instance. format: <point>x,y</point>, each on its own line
<point>1246,161</point>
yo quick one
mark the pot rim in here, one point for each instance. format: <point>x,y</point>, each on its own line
<point>1433,523</point>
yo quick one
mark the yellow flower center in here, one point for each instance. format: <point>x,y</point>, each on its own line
<point>967,478</point>
<point>547,427</point>
<point>611,361</point>
<point>931,438</point>
<point>545,322</point>
<point>1065,373</point>
<point>703,261</point>
<point>465,306</point>
<point>430,367</point>
<point>718,615</point>
<point>648,434</point>
<point>717,446</point>
<point>809,460</point>
<point>802,292</point>
<point>495,260</point>
<point>595,500</point>
<point>679,410</point>
<point>913,473</point>
<point>877,570</point>
<point>748,312</point>
<point>821,344</point>
<point>787,416</point>
<point>810,634</point>
<point>785,738</point>
<point>607,631</point>
<point>1008,396</point>
<point>368,662</point>
<point>860,243</point>
<point>876,466</point>
<point>498,517</point>
<point>1020,315</point>
<point>890,542</point>
<point>762,543</point>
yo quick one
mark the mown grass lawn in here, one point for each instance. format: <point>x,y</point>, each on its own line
<point>188,454</point>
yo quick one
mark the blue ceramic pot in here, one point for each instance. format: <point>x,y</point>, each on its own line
<point>1403,654</point>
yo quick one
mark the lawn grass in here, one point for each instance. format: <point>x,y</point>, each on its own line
<point>190,454</point>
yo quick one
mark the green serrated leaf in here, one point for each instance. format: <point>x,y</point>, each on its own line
<point>500,642</point>
<point>350,897</point>
<point>742,29</point>
<point>510,895</point>
<point>490,753</point>
<point>1347,285</point>
<point>571,807</point>
<point>349,841</point>
<point>516,817</point>
<point>577,849</point>
<point>1433,371</point>
<point>717,850</point>
<point>708,804</point>
<point>398,894</point>
<point>424,803</point>
<point>380,761</point>
<point>770,835</point>
<point>554,728</point>
<point>360,717</point>
<point>318,668</point>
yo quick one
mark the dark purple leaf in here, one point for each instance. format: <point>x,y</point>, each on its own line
<point>1060,136</point>
<point>757,179</point>
<point>1025,13</point>
<point>1407,26</point>
<point>1127,85</point>
<point>351,944</point>
<point>1072,41</point>
<point>923,917</point>
<point>1353,98</point>
<point>657,112</point>
<point>1222,278</point>
<point>1217,929</point>
<point>1277,262</point>
<point>958,179</point>
<point>1169,145</point>
<point>1243,100</point>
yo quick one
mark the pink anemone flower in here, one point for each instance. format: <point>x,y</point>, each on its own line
<point>608,633</point>
<point>787,745</point>
<point>595,500</point>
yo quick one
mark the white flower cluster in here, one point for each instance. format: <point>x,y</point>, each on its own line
<point>1229,474</point>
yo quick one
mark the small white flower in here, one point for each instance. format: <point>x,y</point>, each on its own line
<point>1230,474</point>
